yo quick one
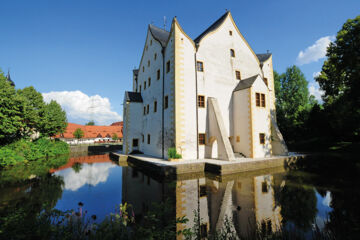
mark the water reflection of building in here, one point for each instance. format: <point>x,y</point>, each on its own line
<point>246,200</point>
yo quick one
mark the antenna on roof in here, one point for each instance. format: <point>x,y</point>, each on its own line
<point>164,22</point>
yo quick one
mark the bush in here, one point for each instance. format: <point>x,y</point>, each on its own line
<point>173,154</point>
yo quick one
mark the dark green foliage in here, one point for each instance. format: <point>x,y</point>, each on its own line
<point>172,153</point>
<point>339,79</point>
<point>54,119</point>
<point>90,123</point>
<point>115,137</point>
<point>78,133</point>
<point>23,150</point>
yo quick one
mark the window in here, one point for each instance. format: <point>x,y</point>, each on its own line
<point>257,99</point>
<point>149,82</point>
<point>266,81</point>
<point>142,135</point>
<point>262,138</point>
<point>148,139</point>
<point>264,187</point>
<point>148,63</point>
<point>200,66</point>
<point>155,56</point>
<point>201,138</point>
<point>150,42</point>
<point>143,68</point>
<point>158,74</point>
<point>166,102</point>
<point>232,53</point>
<point>238,76</point>
<point>201,101</point>
<point>262,97</point>
<point>144,85</point>
<point>237,138</point>
<point>230,33</point>
<point>202,190</point>
<point>155,106</point>
<point>147,109</point>
<point>140,88</point>
<point>168,66</point>
<point>135,142</point>
<point>203,230</point>
<point>144,110</point>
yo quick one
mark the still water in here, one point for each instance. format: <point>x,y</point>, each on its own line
<point>269,199</point>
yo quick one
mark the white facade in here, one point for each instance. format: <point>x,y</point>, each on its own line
<point>210,112</point>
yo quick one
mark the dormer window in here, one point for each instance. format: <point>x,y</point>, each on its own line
<point>232,53</point>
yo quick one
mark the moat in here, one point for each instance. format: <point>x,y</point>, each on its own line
<point>268,199</point>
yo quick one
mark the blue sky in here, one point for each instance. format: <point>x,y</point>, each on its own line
<point>89,47</point>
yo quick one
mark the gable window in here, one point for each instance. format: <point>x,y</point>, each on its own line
<point>143,69</point>
<point>155,106</point>
<point>262,97</point>
<point>148,63</point>
<point>201,101</point>
<point>144,110</point>
<point>262,138</point>
<point>155,56</point>
<point>147,109</point>
<point>238,75</point>
<point>148,139</point>
<point>230,33</point>
<point>232,53</point>
<point>266,81</point>
<point>168,66</point>
<point>201,138</point>
<point>200,66</point>
<point>149,81</point>
<point>158,74</point>
<point>166,102</point>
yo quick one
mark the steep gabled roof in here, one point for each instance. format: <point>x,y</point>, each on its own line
<point>246,83</point>
<point>159,34</point>
<point>212,27</point>
<point>263,56</point>
<point>133,97</point>
<point>135,72</point>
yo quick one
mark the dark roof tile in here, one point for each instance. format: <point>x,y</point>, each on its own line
<point>133,97</point>
<point>246,83</point>
<point>263,56</point>
<point>159,34</point>
<point>212,27</point>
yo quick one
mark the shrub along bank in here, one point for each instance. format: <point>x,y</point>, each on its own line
<point>24,151</point>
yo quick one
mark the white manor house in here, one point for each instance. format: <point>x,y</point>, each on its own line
<point>209,97</point>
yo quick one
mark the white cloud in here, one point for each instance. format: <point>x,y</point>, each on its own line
<point>315,90</point>
<point>91,174</point>
<point>315,51</point>
<point>316,74</point>
<point>79,106</point>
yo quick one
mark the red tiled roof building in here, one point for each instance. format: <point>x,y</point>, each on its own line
<point>91,132</point>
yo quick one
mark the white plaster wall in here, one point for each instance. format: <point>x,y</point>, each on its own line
<point>261,120</point>
<point>241,121</point>
<point>269,74</point>
<point>218,79</point>
<point>134,126</point>
<point>187,101</point>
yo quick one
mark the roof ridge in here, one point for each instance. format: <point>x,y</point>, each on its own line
<point>212,27</point>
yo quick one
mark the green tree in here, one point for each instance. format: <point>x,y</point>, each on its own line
<point>90,123</point>
<point>293,102</point>
<point>115,137</point>
<point>55,120</point>
<point>78,133</point>
<point>339,79</point>
<point>34,108</point>
<point>11,112</point>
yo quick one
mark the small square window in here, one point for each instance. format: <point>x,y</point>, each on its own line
<point>232,53</point>
<point>200,66</point>
<point>155,106</point>
<point>149,82</point>
<point>135,142</point>
<point>230,33</point>
<point>158,74</point>
<point>266,81</point>
<point>201,101</point>
<point>166,102</point>
<point>262,138</point>
<point>238,75</point>
<point>148,139</point>
<point>202,190</point>
<point>264,187</point>
<point>168,66</point>
<point>201,138</point>
<point>155,56</point>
